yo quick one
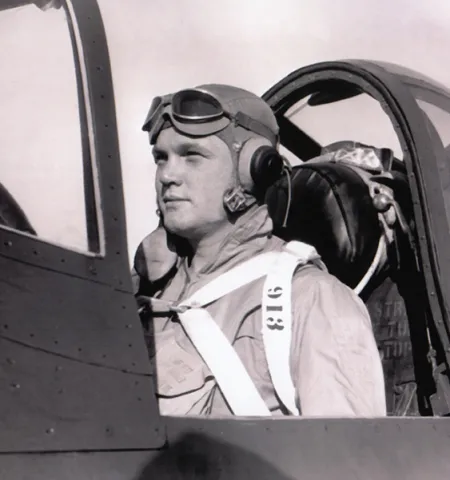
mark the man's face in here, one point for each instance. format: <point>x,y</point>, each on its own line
<point>192,175</point>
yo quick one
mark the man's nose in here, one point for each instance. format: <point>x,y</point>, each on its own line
<point>171,171</point>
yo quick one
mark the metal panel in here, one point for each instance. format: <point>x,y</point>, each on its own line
<point>75,466</point>
<point>275,449</point>
<point>74,368</point>
<point>306,449</point>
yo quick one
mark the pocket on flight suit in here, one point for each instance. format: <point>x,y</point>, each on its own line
<point>183,379</point>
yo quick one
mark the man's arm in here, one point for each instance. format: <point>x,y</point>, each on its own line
<point>335,362</point>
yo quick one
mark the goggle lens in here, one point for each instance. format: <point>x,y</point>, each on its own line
<point>196,106</point>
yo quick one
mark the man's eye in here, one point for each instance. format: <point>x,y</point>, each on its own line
<point>193,153</point>
<point>159,159</point>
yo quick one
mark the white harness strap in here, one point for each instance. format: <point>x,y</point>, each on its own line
<point>229,281</point>
<point>213,346</point>
<point>277,319</point>
<point>224,363</point>
<point>218,353</point>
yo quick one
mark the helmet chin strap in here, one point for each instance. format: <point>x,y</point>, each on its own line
<point>236,199</point>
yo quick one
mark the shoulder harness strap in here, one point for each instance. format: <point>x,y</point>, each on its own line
<point>277,318</point>
<point>218,353</point>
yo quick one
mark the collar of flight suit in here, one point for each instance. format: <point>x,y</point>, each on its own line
<point>250,235</point>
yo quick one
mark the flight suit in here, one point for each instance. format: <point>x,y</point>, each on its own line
<point>335,364</point>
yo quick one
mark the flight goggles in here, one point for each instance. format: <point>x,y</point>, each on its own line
<point>197,112</point>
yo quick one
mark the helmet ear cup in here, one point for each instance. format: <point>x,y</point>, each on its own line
<point>260,165</point>
<point>266,167</point>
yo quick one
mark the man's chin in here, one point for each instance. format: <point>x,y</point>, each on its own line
<point>176,227</point>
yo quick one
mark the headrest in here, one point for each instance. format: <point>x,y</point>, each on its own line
<point>332,206</point>
<point>332,210</point>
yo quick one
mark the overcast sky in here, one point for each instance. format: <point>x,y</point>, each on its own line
<point>158,46</point>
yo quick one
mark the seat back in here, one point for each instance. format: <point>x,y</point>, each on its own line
<point>332,210</point>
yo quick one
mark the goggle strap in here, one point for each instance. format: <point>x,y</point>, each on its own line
<point>156,128</point>
<point>156,109</point>
<point>254,126</point>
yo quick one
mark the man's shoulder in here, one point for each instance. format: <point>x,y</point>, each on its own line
<point>311,270</point>
<point>315,288</point>
<point>311,277</point>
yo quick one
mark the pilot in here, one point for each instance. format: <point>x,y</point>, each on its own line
<point>215,349</point>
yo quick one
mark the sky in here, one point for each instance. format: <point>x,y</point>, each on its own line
<point>159,46</point>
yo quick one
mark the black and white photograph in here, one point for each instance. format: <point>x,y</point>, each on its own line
<point>224,240</point>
